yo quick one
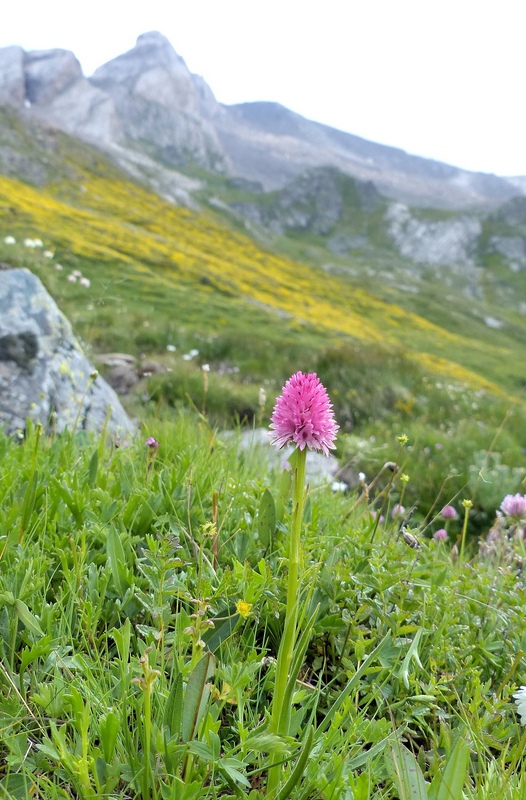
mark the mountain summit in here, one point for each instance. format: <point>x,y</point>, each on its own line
<point>152,115</point>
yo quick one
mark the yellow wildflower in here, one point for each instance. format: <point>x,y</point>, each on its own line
<point>243,608</point>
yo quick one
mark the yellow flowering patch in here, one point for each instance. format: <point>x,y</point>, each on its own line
<point>117,222</point>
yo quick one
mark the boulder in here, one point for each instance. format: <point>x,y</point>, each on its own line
<point>320,469</point>
<point>44,375</point>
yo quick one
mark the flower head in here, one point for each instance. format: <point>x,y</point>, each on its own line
<point>303,415</point>
<point>448,512</point>
<point>398,511</point>
<point>514,505</point>
<point>520,700</point>
<point>243,608</point>
<point>440,535</point>
<point>152,443</point>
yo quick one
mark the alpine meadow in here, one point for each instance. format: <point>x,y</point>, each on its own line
<point>301,572</point>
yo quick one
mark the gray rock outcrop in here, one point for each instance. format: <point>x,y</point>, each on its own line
<point>444,242</point>
<point>160,104</point>
<point>44,375</point>
<point>313,201</point>
<point>12,81</point>
<point>48,73</point>
<point>513,248</point>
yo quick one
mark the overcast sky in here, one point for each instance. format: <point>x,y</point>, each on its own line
<point>445,79</point>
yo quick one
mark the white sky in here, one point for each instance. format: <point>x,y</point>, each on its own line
<point>445,79</point>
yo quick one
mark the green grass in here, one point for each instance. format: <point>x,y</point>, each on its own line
<point>121,570</point>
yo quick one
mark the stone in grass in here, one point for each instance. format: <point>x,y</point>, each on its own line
<point>43,371</point>
<point>320,469</point>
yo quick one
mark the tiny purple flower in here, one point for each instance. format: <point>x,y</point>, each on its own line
<point>440,535</point>
<point>152,443</point>
<point>448,512</point>
<point>303,415</point>
<point>398,511</point>
<point>514,505</point>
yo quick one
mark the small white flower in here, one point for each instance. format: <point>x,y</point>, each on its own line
<point>171,348</point>
<point>77,273</point>
<point>187,357</point>
<point>361,476</point>
<point>38,243</point>
<point>85,282</point>
<point>29,243</point>
<point>206,367</point>
<point>193,353</point>
<point>9,240</point>
<point>338,486</point>
<point>72,278</point>
<point>48,254</point>
<point>59,267</point>
<point>520,700</point>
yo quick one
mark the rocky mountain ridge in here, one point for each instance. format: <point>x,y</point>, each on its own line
<point>154,118</point>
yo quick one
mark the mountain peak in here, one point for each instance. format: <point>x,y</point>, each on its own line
<point>153,38</point>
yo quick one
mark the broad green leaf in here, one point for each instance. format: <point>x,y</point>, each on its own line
<point>450,784</point>
<point>117,561</point>
<point>93,468</point>
<point>266,519</point>
<point>173,711</point>
<point>122,638</point>
<point>196,696</point>
<point>223,630</point>
<point>28,619</point>
<point>405,771</point>
<point>109,728</point>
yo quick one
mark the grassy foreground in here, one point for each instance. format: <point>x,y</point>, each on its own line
<point>141,607</point>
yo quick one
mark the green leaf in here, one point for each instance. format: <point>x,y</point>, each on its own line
<point>215,637</point>
<point>451,782</point>
<point>93,469</point>
<point>173,711</point>
<point>230,766</point>
<point>299,768</point>
<point>412,655</point>
<point>29,501</point>
<point>109,728</point>
<point>266,519</point>
<point>196,696</point>
<point>405,771</point>
<point>265,743</point>
<point>27,618</point>
<point>117,561</point>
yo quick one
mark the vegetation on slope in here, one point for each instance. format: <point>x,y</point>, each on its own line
<point>121,570</point>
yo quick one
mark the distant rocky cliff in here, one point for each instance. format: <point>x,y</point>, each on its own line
<point>154,117</point>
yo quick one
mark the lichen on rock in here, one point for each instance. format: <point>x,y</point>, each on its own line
<point>43,372</point>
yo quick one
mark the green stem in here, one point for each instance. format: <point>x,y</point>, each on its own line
<point>280,717</point>
<point>147,735</point>
<point>467,505</point>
